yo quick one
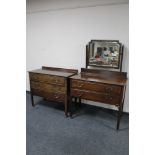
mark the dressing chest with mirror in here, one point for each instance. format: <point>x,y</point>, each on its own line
<point>101,85</point>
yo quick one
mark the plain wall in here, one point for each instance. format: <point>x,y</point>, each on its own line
<point>58,38</point>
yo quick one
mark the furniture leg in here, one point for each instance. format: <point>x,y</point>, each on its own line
<point>32,100</point>
<point>79,102</point>
<point>66,106</point>
<point>70,107</point>
<point>75,99</point>
<point>123,100</point>
<point>119,116</point>
<point>122,109</point>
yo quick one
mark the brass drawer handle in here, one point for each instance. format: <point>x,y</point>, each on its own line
<point>80,85</point>
<point>56,80</point>
<point>108,97</point>
<point>109,89</point>
<point>80,94</point>
<point>55,96</point>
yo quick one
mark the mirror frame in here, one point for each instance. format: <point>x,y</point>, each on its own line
<point>115,42</point>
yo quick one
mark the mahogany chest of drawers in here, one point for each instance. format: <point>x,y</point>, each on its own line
<point>101,86</point>
<point>51,83</point>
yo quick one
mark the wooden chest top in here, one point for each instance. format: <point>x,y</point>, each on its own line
<point>100,78</point>
<point>51,72</point>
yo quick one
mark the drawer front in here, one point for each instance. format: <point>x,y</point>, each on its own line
<point>47,78</point>
<point>49,96</point>
<point>99,97</point>
<point>47,87</point>
<point>97,87</point>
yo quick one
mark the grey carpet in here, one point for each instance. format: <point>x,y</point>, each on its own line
<point>91,132</point>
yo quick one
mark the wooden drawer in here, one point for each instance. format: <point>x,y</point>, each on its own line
<point>47,78</point>
<point>97,87</point>
<point>94,96</point>
<point>49,96</point>
<point>47,87</point>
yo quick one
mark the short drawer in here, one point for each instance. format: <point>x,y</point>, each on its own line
<point>47,78</point>
<point>98,87</point>
<point>94,96</point>
<point>47,87</point>
<point>49,96</point>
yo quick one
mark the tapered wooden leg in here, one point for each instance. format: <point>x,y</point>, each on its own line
<point>123,101</point>
<point>70,107</point>
<point>119,116</point>
<point>32,100</point>
<point>79,102</point>
<point>66,106</point>
<point>122,110</point>
<point>76,103</point>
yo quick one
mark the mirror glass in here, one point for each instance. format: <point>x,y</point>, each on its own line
<point>104,53</point>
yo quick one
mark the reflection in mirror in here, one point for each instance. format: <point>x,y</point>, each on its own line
<point>104,53</point>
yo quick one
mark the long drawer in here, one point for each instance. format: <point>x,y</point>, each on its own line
<point>49,96</point>
<point>98,87</point>
<point>47,78</point>
<point>51,88</point>
<point>95,96</point>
